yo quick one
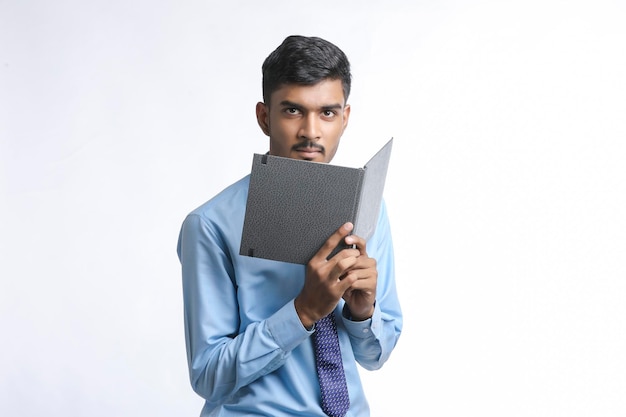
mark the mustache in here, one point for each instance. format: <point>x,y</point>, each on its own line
<point>308,145</point>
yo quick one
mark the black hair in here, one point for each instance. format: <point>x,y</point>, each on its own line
<point>305,61</point>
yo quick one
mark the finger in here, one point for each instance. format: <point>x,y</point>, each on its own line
<point>358,242</point>
<point>363,264</point>
<point>333,241</point>
<point>365,283</point>
<point>345,261</point>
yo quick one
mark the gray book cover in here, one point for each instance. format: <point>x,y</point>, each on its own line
<point>294,206</point>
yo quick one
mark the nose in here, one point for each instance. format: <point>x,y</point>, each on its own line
<point>310,128</point>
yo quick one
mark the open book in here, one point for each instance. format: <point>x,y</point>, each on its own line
<point>294,206</point>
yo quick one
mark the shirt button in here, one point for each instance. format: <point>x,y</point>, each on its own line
<point>366,330</point>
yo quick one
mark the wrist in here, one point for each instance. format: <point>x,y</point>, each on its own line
<point>362,315</point>
<point>307,321</point>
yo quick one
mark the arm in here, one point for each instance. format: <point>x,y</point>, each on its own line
<point>372,312</point>
<point>223,358</point>
<point>375,336</point>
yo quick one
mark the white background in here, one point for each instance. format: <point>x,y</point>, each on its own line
<point>506,193</point>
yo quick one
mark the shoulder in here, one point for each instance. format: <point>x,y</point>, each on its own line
<point>219,220</point>
<point>221,215</point>
<point>231,199</point>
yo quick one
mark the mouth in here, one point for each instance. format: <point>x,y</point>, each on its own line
<point>309,151</point>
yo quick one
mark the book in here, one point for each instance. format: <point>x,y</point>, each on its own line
<point>294,205</point>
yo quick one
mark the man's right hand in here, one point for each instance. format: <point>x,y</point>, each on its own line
<point>325,281</point>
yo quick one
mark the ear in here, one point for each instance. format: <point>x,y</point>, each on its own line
<point>263,117</point>
<point>346,115</point>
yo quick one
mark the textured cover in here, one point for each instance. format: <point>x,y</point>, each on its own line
<point>294,206</point>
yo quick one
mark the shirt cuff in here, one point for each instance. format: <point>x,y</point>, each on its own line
<point>286,328</point>
<point>366,328</point>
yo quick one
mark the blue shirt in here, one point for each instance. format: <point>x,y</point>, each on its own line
<point>247,350</point>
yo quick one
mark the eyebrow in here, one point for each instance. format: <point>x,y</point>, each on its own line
<point>287,103</point>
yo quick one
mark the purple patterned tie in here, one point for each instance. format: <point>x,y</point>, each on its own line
<point>335,399</point>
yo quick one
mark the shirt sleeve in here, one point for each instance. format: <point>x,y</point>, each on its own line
<point>374,339</point>
<point>222,359</point>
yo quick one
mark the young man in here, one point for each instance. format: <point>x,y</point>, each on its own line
<point>250,323</point>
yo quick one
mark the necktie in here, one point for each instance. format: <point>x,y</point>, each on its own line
<point>333,387</point>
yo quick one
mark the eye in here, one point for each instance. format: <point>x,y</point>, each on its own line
<point>329,114</point>
<point>291,110</point>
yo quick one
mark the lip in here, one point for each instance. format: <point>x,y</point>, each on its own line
<point>308,153</point>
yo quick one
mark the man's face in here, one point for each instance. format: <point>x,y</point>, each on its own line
<point>305,122</point>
